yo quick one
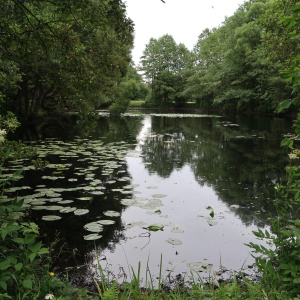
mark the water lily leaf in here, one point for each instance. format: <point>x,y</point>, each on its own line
<point>128,201</point>
<point>51,218</point>
<point>85,198</point>
<point>159,196</point>
<point>65,201</point>
<point>97,193</point>
<point>80,212</point>
<point>38,207</point>
<point>155,227</point>
<point>199,266</point>
<point>111,213</point>
<point>212,213</point>
<point>93,227</point>
<point>92,237</point>
<point>176,230</point>
<point>53,207</point>
<point>174,241</point>
<point>72,179</point>
<point>106,222</point>
<point>66,210</point>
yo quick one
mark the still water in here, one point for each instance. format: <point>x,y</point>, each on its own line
<point>204,181</point>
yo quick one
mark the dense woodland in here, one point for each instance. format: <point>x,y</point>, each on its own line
<point>66,55</point>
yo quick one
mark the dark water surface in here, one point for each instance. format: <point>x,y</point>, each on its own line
<point>206,181</point>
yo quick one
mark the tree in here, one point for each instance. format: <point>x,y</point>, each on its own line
<point>232,69</point>
<point>61,54</point>
<point>164,64</point>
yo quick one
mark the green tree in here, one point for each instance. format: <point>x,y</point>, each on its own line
<point>232,69</point>
<point>164,65</point>
<point>61,54</point>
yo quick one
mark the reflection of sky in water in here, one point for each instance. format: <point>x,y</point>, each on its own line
<point>185,207</point>
<point>144,132</point>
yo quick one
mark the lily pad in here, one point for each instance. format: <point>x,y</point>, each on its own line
<point>92,237</point>
<point>80,212</point>
<point>155,227</point>
<point>93,227</point>
<point>66,210</point>
<point>174,241</point>
<point>199,266</point>
<point>106,222</point>
<point>176,230</point>
<point>111,213</point>
<point>159,196</point>
<point>85,198</point>
<point>51,218</point>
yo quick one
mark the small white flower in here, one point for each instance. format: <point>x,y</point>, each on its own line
<point>49,296</point>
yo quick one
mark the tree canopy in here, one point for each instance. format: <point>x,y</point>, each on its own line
<point>62,54</point>
<point>233,67</point>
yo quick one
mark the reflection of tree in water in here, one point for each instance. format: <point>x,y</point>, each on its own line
<point>69,231</point>
<point>68,126</point>
<point>242,164</point>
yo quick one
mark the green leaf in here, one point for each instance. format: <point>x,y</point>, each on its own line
<point>286,142</point>
<point>43,251</point>
<point>27,283</point>
<point>18,266</point>
<point>4,265</point>
<point>30,238</point>
<point>296,280</point>
<point>284,105</point>
<point>3,285</point>
<point>35,247</point>
<point>155,227</point>
<point>12,260</point>
<point>32,256</point>
<point>18,240</point>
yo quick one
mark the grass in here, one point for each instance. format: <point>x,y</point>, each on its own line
<point>137,103</point>
<point>193,289</point>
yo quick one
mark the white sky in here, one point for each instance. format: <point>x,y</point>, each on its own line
<point>183,19</point>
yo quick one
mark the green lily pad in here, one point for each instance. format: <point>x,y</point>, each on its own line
<point>51,218</point>
<point>92,237</point>
<point>85,198</point>
<point>67,209</point>
<point>80,212</point>
<point>155,227</point>
<point>106,222</point>
<point>93,227</point>
<point>111,213</point>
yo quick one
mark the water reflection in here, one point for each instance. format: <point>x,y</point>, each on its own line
<point>199,163</point>
<point>176,167</point>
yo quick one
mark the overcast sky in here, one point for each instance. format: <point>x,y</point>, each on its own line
<point>183,19</point>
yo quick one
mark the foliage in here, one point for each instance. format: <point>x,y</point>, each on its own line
<point>164,65</point>
<point>280,265</point>
<point>233,68</point>
<point>131,87</point>
<point>61,55</point>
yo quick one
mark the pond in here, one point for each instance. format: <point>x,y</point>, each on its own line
<point>175,192</point>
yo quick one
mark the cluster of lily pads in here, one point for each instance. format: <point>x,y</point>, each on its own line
<point>78,172</point>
